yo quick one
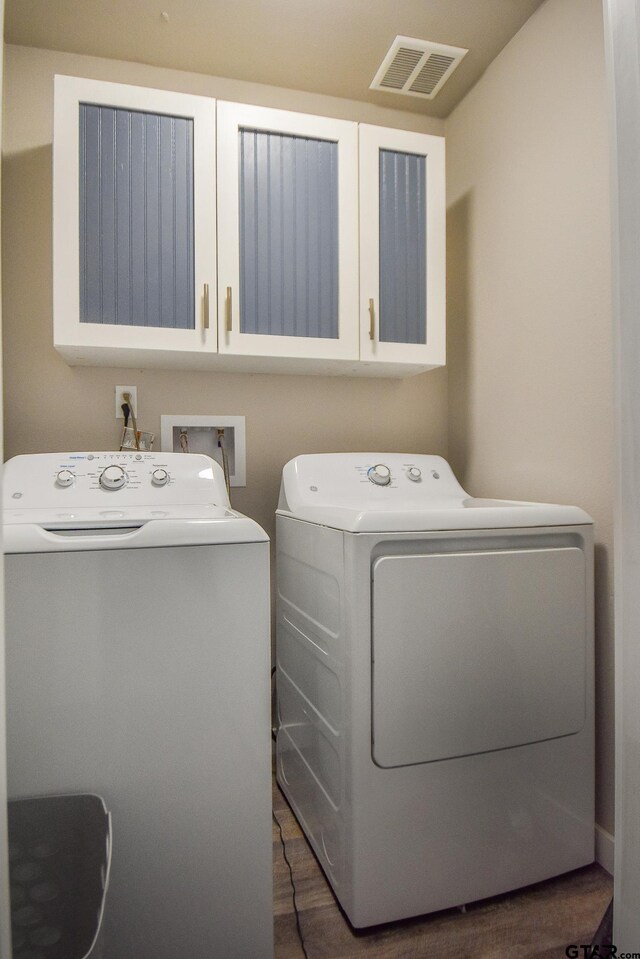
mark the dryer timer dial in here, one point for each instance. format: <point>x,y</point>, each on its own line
<point>379,474</point>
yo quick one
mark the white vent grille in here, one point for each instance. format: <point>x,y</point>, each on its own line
<point>416,68</point>
<point>402,67</point>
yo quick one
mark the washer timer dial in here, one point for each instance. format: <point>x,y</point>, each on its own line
<point>113,477</point>
<point>379,474</point>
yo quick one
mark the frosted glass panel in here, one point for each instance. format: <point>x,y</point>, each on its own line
<point>288,235</point>
<point>136,218</point>
<point>403,213</point>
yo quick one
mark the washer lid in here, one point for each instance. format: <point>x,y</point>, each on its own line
<point>401,492</point>
<point>116,500</point>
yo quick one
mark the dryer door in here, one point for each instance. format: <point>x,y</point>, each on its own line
<point>476,651</point>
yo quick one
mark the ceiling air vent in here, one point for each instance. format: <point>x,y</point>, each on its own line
<point>416,68</point>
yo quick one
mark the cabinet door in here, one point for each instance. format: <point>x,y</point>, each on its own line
<point>402,247</point>
<point>288,227</point>
<point>134,222</point>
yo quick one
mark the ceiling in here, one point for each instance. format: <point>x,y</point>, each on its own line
<point>332,47</point>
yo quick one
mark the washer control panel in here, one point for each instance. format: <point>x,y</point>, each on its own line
<point>120,480</point>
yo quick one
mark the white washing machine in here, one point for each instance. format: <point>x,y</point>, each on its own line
<point>435,683</point>
<point>138,665</point>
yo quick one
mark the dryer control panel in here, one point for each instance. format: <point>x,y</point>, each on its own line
<point>376,481</point>
<point>400,492</point>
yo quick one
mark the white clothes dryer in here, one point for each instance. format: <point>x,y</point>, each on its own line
<point>138,660</point>
<point>435,682</point>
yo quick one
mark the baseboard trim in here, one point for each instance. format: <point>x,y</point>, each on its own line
<point>605,846</point>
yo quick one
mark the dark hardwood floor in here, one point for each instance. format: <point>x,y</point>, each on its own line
<point>534,923</point>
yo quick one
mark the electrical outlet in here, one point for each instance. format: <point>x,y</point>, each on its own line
<point>133,393</point>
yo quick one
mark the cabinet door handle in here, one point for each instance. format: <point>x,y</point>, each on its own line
<point>229,324</point>
<point>372,320</point>
<point>205,307</point>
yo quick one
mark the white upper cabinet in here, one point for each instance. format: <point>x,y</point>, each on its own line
<point>134,224</point>
<point>288,228</point>
<point>330,249</point>
<point>402,248</point>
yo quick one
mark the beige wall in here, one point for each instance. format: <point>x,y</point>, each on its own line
<point>50,406</point>
<point>529,293</point>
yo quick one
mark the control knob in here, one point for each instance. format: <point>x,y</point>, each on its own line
<point>160,477</point>
<point>64,478</point>
<point>113,477</point>
<point>414,474</point>
<point>379,474</point>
